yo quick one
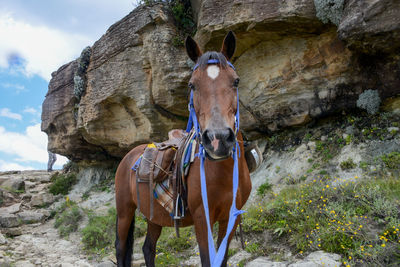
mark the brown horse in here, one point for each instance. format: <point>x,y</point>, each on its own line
<point>215,103</point>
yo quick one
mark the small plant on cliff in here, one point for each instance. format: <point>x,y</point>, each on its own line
<point>347,164</point>
<point>329,10</point>
<point>183,17</point>
<point>70,166</point>
<point>392,160</point>
<point>62,183</point>
<point>370,101</point>
<point>79,77</point>
<point>264,188</point>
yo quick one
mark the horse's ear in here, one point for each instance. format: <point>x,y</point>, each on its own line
<point>192,49</point>
<point>229,45</point>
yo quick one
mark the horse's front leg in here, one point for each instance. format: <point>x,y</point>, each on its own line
<point>149,246</point>
<point>222,226</point>
<point>200,226</point>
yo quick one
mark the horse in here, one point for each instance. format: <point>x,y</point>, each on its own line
<point>213,83</point>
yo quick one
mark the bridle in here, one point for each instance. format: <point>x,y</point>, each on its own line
<point>193,122</point>
<point>216,257</point>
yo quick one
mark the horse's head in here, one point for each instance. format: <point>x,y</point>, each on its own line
<point>214,83</point>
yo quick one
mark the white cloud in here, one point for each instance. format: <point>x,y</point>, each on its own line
<point>36,49</point>
<point>31,110</point>
<point>30,147</point>
<point>5,112</point>
<point>11,166</point>
<point>17,87</point>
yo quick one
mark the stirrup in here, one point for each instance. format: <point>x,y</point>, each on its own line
<point>182,211</point>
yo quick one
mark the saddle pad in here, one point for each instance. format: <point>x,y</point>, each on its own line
<point>164,195</point>
<point>163,192</point>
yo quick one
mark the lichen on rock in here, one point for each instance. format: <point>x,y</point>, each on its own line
<point>370,101</point>
<point>329,10</point>
<point>80,73</point>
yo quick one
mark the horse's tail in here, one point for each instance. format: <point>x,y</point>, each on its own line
<point>125,260</point>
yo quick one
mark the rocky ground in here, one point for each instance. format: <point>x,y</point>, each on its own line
<point>28,236</point>
<point>347,147</point>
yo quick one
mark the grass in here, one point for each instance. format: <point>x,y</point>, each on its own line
<point>168,241</point>
<point>263,189</point>
<point>67,218</point>
<point>99,235</point>
<point>392,160</point>
<point>347,164</point>
<point>169,246</point>
<point>358,220</point>
<point>62,183</point>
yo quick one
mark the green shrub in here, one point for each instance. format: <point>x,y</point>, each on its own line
<point>167,259</point>
<point>70,166</point>
<point>62,183</point>
<point>99,234</point>
<point>263,189</point>
<point>140,226</point>
<point>168,241</point>
<point>392,160</point>
<point>67,218</point>
<point>363,165</point>
<point>347,164</point>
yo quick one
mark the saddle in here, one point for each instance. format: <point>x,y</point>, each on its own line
<point>160,167</point>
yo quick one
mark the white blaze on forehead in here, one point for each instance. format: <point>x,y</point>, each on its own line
<point>213,71</point>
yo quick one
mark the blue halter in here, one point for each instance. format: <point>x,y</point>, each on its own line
<point>216,257</point>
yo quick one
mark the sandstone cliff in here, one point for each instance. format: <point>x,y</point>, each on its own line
<point>293,69</point>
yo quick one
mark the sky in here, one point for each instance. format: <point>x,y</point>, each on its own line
<point>36,38</point>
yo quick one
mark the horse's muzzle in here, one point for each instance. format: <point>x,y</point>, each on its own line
<point>218,143</point>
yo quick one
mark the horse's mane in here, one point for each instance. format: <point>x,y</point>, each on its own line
<point>203,60</point>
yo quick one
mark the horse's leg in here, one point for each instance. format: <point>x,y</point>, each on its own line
<point>221,234</point>
<point>200,227</point>
<point>124,237</point>
<point>149,246</point>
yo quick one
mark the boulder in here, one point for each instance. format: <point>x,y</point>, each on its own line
<point>371,26</point>
<point>265,262</point>
<point>3,240</point>
<point>241,256</point>
<point>319,258</point>
<point>31,216</point>
<point>42,199</point>
<point>10,209</point>
<point>9,220</point>
<point>14,184</point>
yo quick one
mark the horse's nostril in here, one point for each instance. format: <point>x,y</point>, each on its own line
<point>206,137</point>
<point>231,136</point>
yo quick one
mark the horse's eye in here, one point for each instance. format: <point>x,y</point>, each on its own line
<point>236,82</point>
<point>191,86</point>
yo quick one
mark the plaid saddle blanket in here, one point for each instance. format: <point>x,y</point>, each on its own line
<point>163,191</point>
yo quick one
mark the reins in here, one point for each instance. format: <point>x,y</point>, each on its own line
<point>216,257</point>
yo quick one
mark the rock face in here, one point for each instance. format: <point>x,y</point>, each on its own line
<point>136,90</point>
<point>293,69</point>
<point>371,25</point>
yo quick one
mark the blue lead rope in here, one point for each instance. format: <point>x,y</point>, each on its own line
<point>216,257</point>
